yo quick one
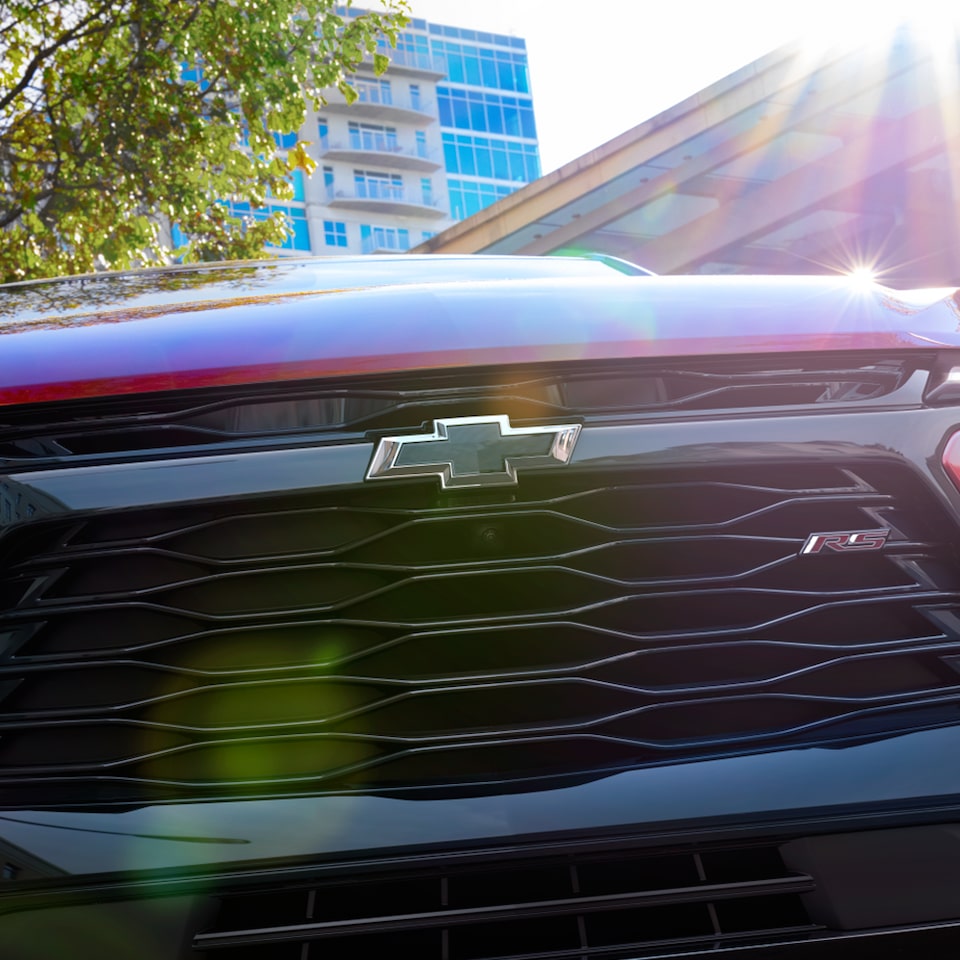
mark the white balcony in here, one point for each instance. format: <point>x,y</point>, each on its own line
<point>381,103</point>
<point>377,196</point>
<point>411,63</point>
<point>383,150</point>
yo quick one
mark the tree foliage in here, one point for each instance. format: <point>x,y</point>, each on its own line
<point>117,113</point>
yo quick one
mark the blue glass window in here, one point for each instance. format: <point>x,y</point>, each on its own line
<point>478,118</point>
<point>334,233</point>
<point>484,162</point>
<point>489,70</point>
<point>461,113</point>
<point>446,112</point>
<point>299,237</point>
<point>300,240</point>
<point>374,238</point>
<point>528,125</point>
<point>472,66</point>
<point>455,68</point>
<point>501,166</point>
<point>511,120</point>
<point>486,112</point>
<point>490,157</point>
<point>296,179</point>
<point>488,66</point>
<point>522,81</point>
<point>469,197</point>
<point>450,155</point>
<point>284,140</point>
<point>465,160</point>
<point>193,74</point>
<point>296,217</point>
<point>517,166</point>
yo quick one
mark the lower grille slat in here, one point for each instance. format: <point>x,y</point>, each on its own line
<point>595,905</point>
<point>554,908</point>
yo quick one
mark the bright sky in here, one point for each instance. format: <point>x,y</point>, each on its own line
<point>599,67</point>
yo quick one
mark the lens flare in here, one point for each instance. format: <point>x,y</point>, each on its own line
<point>862,278</point>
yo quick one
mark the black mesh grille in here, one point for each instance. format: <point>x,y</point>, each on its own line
<point>607,905</point>
<point>391,637</point>
<point>123,427</point>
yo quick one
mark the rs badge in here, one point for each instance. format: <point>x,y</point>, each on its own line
<point>846,541</point>
<point>473,451</point>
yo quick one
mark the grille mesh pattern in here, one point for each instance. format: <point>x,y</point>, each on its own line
<point>600,905</point>
<point>386,639</point>
<point>124,427</point>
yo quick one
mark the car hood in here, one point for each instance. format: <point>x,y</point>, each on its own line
<point>234,331</point>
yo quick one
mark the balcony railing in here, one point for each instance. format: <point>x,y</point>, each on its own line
<point>386,192</point>
<point>414,60</point>
<point>382,143</point>
<point>374,94</point>
<point>379,190</point>
<point>364,141</point>
<point>385,241</point>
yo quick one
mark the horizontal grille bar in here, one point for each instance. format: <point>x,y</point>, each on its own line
<point>583,904</point>
<point>120,427</point>
<point>546,908</point>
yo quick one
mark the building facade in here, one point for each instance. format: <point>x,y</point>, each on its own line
<point>448,130</point>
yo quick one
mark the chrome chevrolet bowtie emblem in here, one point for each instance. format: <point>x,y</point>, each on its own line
<point>473,451</point>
